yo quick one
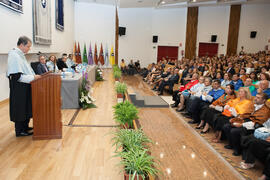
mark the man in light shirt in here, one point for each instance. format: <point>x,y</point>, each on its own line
<point>20,74</point>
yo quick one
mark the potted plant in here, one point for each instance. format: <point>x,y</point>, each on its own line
<point>120,88</point>
<point>130,139</point>
<point>124,113</point>
<point>138,164</point>
<point>117,74</point>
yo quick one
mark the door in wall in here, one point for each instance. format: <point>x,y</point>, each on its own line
<point>168,52</point>
<point>208,49</point>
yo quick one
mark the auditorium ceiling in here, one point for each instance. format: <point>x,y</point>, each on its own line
<point>172,3</point>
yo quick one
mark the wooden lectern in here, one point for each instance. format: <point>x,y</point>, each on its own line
<point>46,107</point>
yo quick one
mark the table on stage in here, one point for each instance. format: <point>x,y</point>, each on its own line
<point>70,88</point>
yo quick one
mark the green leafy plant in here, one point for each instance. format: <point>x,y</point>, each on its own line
<point>120,88</point>
<point>138,162</point>
<point>125,112</point>
<point>117,74</point>
<point>130,139</point>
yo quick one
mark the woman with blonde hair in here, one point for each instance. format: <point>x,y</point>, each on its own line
<point>241,105</point>
<point>51,64</point>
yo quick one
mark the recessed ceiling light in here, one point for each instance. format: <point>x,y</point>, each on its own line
<point>162,2</point>
<point>194,0</point>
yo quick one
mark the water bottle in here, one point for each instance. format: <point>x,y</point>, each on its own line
<point>73,73</point>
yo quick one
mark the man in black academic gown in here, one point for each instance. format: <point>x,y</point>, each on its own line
<point>20,75</point>
<point>61,62</point>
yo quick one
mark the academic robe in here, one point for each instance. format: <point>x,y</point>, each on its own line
<point>20,74</point>
<point>20,106</point>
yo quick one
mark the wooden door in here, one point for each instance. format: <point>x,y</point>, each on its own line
<point>168,52</point>
<point>208,49</point>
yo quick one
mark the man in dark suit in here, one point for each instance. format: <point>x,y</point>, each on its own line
<point>170,81</point>
<point>41,67</point>
<point>61,62</point>
<point>230,69</point>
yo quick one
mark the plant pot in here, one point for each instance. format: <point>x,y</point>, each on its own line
<point>128,177</point>
<point>119,95</point>
<point>126,126</point>
<point>117,79</point>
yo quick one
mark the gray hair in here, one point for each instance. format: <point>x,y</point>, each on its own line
<point>209,78</point>
<point>23,40</point>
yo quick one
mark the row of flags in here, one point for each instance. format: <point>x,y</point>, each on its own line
<point>90,58</point>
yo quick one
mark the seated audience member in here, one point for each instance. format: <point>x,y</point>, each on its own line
<point>187,77</point>
<point>226,80</point>
<point>213,72</point>
<point>249,68</point>
<point>194,91</point>
<point>242,75</point>
<point>219,76</point>
<point>263,76</point>
<point>123,66</point>
<point>205,100</point>
<point>263,88</point>
<point>147,70</point>
<point>215,108</point>
<point>194,99</point>
<point>169,82</point>
<point>70,63</point>
<point>138,66</point>
<point>131,68</point>
<point>257,149</point>
<point>239,106</point>
<point>161,77</point>
<point>41,67</point>
<point>249,85</point>
<point>233,130</point>
<point>254,78</point>
<point>176,94</point>
<point>51,64</point>
<point>156,75</point>
<point>264,70</point>
<point>236,82</point>
<point>201,67</point>
<point>230,69</point>
<point>155,72</point>
<point>206,71</point>
<point>61,63</point>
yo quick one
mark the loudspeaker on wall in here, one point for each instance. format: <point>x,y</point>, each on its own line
<point>213,38</point>
<point>122,31</point>
<point>253,34</point>
<point>155,39</point>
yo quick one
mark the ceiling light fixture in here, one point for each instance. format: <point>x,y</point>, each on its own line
<point>163,2</point>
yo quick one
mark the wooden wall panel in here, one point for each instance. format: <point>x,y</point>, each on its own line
<point>191,32</point>
<point>233,29</point>
<point>116,36</point>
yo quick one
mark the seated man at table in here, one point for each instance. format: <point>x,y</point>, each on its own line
<point>70,63</point>
<point>61,62</point>
<point>41,67</point>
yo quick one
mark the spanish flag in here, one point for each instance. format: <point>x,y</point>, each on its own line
<point>95,55</point>
<point>112,59</point>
